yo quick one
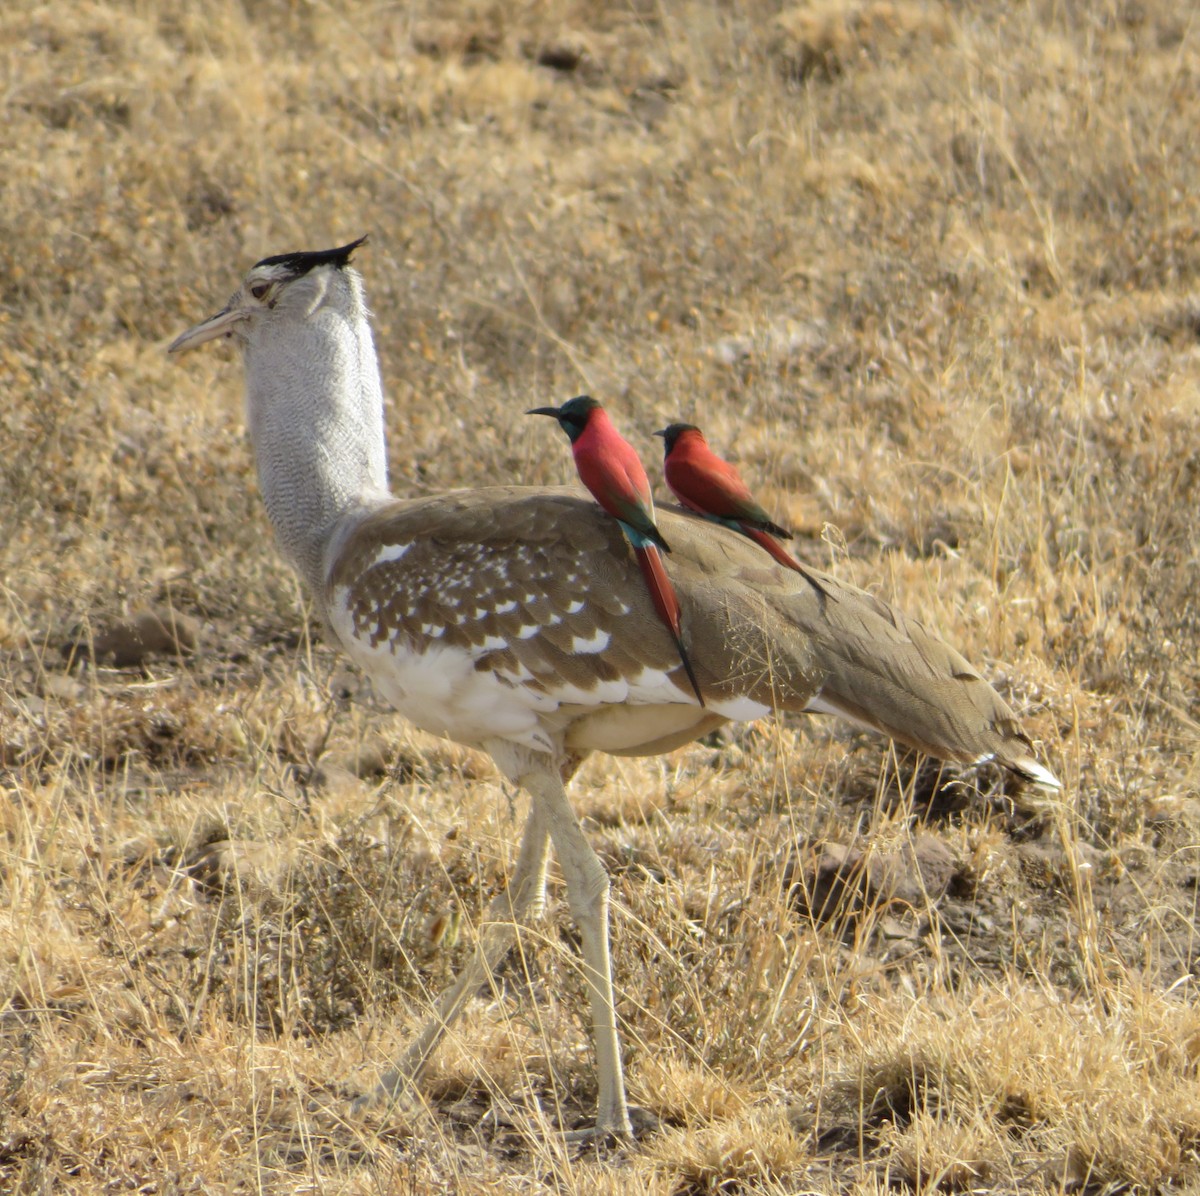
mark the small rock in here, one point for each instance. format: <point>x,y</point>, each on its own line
<point>839,880</point>
<point>150,632</point>
<point>934,863</point>
<point>563,55</point>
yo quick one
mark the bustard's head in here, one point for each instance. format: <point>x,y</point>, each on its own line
<point>286,286</point>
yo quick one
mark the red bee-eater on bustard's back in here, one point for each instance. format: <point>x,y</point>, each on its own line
<point>713,488</point>
<point>610,468</point>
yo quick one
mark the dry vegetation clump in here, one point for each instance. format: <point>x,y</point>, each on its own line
<point>927,273</point>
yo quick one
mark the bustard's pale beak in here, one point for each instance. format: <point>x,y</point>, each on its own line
<point>210,329</point>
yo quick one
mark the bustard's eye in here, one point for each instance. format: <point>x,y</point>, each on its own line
<point>259,290</point>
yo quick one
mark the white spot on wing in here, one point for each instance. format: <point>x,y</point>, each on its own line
<point>390,552</point>
<point>517,676</point>
<point>597,643</point>
<point>653,686</point>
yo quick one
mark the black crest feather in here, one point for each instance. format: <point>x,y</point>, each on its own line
<point>302,263</point>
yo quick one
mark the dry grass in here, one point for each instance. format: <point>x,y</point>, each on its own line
<point>928,273</point>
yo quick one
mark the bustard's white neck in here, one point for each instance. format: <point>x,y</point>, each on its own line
<point>314,404</point>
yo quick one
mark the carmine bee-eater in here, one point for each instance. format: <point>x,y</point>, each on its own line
<point>713,488</point>
<point>610,468</point>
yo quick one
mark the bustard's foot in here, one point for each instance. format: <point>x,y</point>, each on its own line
<point>639,1123</point>
<point>394,1090</point>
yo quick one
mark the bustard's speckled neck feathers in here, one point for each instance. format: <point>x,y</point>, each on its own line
<point>514,619</point>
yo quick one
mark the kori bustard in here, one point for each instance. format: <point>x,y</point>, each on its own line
<point>513,619</point>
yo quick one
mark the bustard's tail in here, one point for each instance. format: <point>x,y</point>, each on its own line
<point>889,672</point>
<point>766,633</point>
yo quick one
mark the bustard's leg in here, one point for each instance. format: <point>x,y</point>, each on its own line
<point>587,893</point>
<point>537,896</point>
<point>525,894</point>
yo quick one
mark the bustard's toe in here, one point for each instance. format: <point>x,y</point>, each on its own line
<point>393,1091</point>
<point>614,1132</point>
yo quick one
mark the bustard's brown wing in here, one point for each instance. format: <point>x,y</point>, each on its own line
<point>540,587</point>
<point>537,585</point>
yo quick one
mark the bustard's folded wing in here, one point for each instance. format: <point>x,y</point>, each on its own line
<point>538,592</point>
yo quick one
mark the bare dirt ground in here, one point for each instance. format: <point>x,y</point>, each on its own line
<point>927,273</point>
